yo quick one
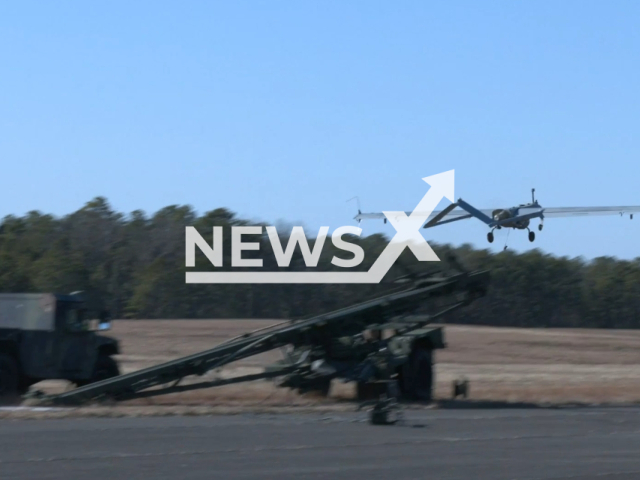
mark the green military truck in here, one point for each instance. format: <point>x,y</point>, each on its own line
<point>47,336</point>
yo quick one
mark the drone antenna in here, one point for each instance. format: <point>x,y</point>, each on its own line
<point>533,196</point>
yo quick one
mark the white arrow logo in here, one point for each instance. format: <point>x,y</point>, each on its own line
<point>407,235</point>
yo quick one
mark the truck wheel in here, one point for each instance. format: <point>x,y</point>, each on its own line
<point>106,367</point>
<point>24,384</point>
<point>9,379</point>
<point>418,384</point>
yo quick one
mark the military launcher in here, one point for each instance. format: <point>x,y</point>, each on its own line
<point>373,343</point>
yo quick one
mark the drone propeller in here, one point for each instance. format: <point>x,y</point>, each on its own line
<point>357,199</point>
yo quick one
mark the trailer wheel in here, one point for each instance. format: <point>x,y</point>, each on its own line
<point>319,387</point>
<point>9,380</point>
<point>370,390</point>
<point>417,380</point>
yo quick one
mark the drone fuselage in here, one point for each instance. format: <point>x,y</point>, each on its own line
<point>502,215</point>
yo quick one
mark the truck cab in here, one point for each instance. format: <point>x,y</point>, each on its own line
<point>50,336</point>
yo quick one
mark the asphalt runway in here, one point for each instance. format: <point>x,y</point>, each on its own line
<point>494,444</point>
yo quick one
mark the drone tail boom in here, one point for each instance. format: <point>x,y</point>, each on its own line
<point>474,212</point>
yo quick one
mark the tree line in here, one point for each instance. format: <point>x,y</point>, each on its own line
<point>134,266</point>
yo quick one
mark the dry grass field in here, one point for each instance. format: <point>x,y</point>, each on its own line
<point>502,364</point>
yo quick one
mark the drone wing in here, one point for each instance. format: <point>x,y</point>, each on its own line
<point>559,212</point>
<point>462,211</point>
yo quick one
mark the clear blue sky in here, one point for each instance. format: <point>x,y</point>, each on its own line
<point>284,110</point>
